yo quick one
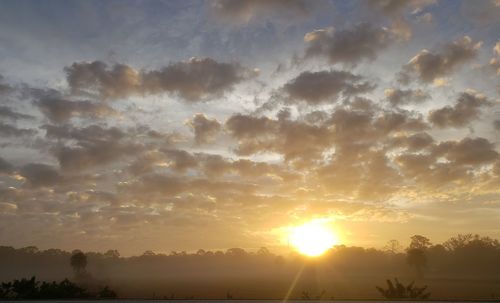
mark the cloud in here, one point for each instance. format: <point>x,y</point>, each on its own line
<point>40,175</point>
<point>193,80</point>
<point>205,129</point>
<point>5,167</point>
<point>368,127</point>
<point>243,11</point>
<point>180,160</point>
<point>494,63</point>
<point>301,142</point>
<point>214,165</point>
<point>295,140</point>
<point>394,121</point>
<point>496,124</point>
<point>396,7</point>
<point>59,110</point>
<point>325,86</point>
<point>397,97</point>
<point>466,109</point>
<point>468,151</point>
<point>401,29</point>
<point>7,130</point>
<point>115,82</point>
<point>4,87</point>
<point>8,113</point>
<point>428,66</point>
<point>146,162</point>
<point>169,186</point>
<point>92,154</point>
<point>423,171</point>
<point>358,172</point>
<point>95,146</point>
<point>413,142</point>
<point>348,46</point>
<point>481,12</point>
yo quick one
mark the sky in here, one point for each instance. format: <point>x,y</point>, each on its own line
<point>179,125</point>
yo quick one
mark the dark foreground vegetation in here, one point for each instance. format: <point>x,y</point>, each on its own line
<point>31,289</point>
<point>397,291</point>
<point>465,267</point>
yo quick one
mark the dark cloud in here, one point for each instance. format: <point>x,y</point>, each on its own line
<point>93,154</point>
<point>40,175</point>
<point>7,130</point>
<point>180,160</point>
<point>84,134</point>
<point>370,126</point>
<point>428,66</point>
<point>59,110</point>
<point>5,167</point>
<point>397,97</point>
<point>293,139</point>
<point>325,86</point>
<point>413,142</point>
<point>170,186</point>
<point>468,151</point>
<point>349,46</point>
<point>115,82</point>
<point>247,127</point>
<point>389,122</point>
<point>146,163</point>
<point>216,166</point>
<point>8,113</point>
<point>496,124</point>
<point>95,146</point>
<point>205,129</point>
<point>303,142</point>
<point>466,109</point>
<point>427,174</point>
<point>242,11</point>
<point>4,87</point>
<point>359,172</point>
<point>193,80</point>
<point>463,160</point>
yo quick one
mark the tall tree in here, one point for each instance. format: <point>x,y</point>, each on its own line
<point>419,242</point>
<point>417,258</point>
<point>79,262</point>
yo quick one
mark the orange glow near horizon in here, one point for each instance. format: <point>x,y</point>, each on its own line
<point>313,238</point>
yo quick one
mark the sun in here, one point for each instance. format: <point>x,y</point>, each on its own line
<point>313,238</point>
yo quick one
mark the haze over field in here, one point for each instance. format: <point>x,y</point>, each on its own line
<point>178,125</point>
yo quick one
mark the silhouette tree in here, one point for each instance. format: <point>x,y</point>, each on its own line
<point>417,258</point>
<point>237,252</point>
<point>112,253</point>
<point>263,251</point>
<point>107,293</point>
<point>25,289</point>
<point>393,247</point>
<point>397,291</point>
<point>78,262</point>
<point>31,289</point>
<point>419,242</point>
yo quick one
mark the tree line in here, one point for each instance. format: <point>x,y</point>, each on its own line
<point>465,266</point>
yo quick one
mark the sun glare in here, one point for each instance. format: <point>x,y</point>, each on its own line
<point>313,238</point>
